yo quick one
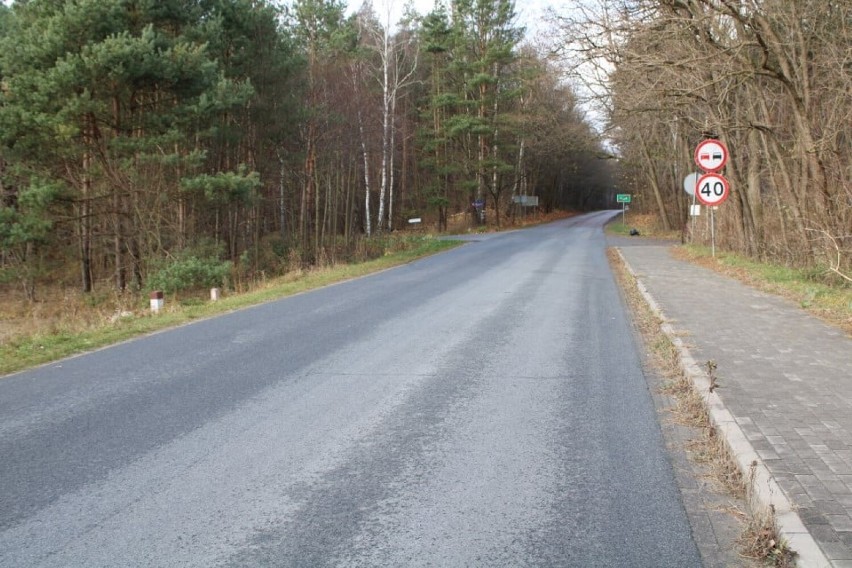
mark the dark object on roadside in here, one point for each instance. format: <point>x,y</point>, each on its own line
<point>634,232</point>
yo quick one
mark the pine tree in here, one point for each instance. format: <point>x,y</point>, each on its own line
<point>105,97</point>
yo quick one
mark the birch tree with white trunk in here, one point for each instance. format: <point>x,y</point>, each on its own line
<point>397,58</point>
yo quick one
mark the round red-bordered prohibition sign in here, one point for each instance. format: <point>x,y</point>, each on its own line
<point>711,155</point>
<point>712,189</point>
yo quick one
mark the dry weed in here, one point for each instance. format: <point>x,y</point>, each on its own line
<point>760,541</point>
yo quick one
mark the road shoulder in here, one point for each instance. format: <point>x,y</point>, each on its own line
<point>716,516</point>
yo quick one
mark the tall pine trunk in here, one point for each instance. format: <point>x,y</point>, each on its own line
<point>84,226</point>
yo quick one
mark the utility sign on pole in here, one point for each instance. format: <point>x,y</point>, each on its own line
<point>712,188</point>
<point>624,199</point>
<point>711,155</point>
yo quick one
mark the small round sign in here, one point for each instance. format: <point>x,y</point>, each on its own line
<point>689,183</point>
<point>711,155</point>
<point>712,189</point>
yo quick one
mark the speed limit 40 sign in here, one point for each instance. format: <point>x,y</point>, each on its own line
<point>712,189</point>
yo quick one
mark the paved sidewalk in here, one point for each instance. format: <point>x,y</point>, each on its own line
<point>784,375</point>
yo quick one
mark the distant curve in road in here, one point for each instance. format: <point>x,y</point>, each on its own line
<point>481,407</point>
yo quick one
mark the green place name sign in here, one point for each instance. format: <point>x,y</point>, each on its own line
<point>622,198</point>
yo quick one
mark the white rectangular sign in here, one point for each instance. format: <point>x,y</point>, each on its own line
<point>526,200</point>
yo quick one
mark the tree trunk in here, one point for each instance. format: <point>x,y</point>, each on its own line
<point>365,155</point>
<point>755,202</point>
<point>482,152</point>
<point>282,209</point>
<point>386,128</point>
<point>652,179</point>
<point>306,209</point>
<point>85,223</point>
<point>118,241</point>
<point>391,161</point>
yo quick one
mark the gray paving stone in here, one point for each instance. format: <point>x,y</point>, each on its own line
<point>812,516</point>
<point>837,551</point>
<point>768,455</point>
<point>837,487</point>
<point>840,523</point>
<point>784,375</point>
<point>830,507</point>
<point>824,533</point>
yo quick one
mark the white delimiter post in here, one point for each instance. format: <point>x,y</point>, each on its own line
<point>157,301</point>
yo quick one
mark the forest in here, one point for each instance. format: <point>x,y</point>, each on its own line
<point>771,78</point>
<point>166,143</point>
<point>169,143</point>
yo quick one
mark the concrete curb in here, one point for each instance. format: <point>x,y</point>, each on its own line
<point>764,493</point>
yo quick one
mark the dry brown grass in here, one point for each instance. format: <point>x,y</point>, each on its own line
<point>61,308</point>
<point>709,449</point>
<point>760,542</point>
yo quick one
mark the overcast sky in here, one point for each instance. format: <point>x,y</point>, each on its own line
<point>530,12</point>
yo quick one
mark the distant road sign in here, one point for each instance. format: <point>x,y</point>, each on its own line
<point>711,155</point>
<point>712,189</point>
<point>622,198</point>
<point>526,200</point>
<point>689,183</point>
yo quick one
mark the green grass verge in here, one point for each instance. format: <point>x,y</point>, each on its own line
<point>25,352</point>
<point>618,228</point>
<point>646,224</point>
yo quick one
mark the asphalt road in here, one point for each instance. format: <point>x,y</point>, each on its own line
<point>482,407</point>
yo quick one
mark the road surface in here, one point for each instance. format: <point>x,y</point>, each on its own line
<point>482,407</point>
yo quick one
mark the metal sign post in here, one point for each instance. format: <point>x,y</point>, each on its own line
<point>712,232</point>
<point>712,190</point>
<point>689,183</point>
<point>624,199</point>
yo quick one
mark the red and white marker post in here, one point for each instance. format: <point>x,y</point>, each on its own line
<point>157,301</point>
